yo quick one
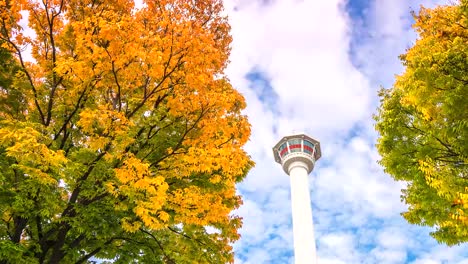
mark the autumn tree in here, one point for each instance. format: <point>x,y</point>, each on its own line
<point>423,124</point>
<point>120,135</point>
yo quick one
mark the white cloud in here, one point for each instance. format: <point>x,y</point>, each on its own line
<point>392,238</point>
<point>387,256</point>
<point>338,244</point>
<point>302,46</point>
<point>443,255</point>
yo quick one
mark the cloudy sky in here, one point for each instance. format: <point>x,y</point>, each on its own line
<point>315,67</point>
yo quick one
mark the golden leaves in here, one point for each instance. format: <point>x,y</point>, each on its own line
<point>102,126</point>
<point>132,170</point>
<point>10,13</point>
<point>146,191</point>
<point>26,145</point>
<point>163,216</point>
<point>195,206</point>
<point>138,102</point>
<point>130,226</point>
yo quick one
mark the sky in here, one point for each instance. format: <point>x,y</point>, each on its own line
<point>315,67</point>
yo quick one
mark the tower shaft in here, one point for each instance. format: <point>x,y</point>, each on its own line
<point>298,154</point>
<point>303,229</point>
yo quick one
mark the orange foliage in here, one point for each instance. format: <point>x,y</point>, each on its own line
<point>132,102</point>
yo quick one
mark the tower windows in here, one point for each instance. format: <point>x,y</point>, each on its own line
<point>308,147</point>
<point>295,145</point>
<point>283,150</point>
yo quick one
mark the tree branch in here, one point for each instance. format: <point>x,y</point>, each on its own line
<point>166,257</point>
<point>23,68</point>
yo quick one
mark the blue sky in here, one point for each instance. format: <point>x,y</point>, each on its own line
<point>316,67</point>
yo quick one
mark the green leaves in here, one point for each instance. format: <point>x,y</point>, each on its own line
<point>422,122</point>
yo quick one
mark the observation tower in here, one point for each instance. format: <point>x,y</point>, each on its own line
<point>297,154</point>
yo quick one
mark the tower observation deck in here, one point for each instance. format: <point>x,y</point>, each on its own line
<point>298,154</point>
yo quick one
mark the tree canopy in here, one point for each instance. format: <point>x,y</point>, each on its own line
<point>120,135</point>
<point>423,124</point>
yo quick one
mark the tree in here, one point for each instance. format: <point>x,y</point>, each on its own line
<point>121,138</point>
<point>423,124</point>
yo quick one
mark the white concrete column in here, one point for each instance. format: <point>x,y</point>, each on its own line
<point>303,228</point>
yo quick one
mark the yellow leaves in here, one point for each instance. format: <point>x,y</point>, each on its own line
<point>136,175</point>
<point>461,200</point>
<point>215,179</point>
<point>139,57</point>
<point>426,167</point>
<point>145,191</point>
<point>150,215</point>
<point>435,61</point>
<point>163,216</point>
<point>221,131</point>
<point>130,226</point>
<point>132,170</point>
<point>438,22</point>
<point>141,107</point>
<point>427,113</point>
<point>210,158</point>
<point>25,144</point>
<point>193,205</point>
<point>103,121</point>
<point>435,179</point>
<point>102,126</point>
<point>459,217</point>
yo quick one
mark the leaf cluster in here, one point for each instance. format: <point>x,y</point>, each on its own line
<point>423,124</point>
<point>121,138</point>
